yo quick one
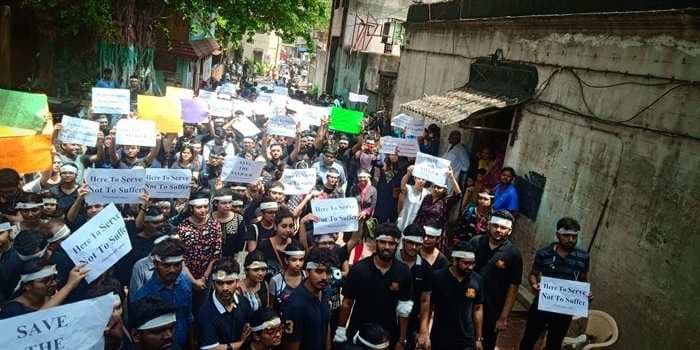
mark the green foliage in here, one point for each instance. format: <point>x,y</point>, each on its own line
<point>70,17</point>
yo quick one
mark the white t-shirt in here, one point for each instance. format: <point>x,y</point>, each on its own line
<point>411,204</point>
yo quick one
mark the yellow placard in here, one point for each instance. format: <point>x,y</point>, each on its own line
<point>164,111</point>
<point>26,154</point>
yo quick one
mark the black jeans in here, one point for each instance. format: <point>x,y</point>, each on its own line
<point>537,321</point>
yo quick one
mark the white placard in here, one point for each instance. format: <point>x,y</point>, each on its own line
<point>388,144</point>
<point>237,169</point>
<point>321,112</point>
<point>564,296</point>
<point>246,127</point>
<point>111,101</point>
<point>168,183</point>
<point>136,132</point>
<point>353,97</point>
<point>298,181</point>
<point>220,107</point>
<point>243,106</point>
<point>78,131</point>
<point>114,185</point>
<point>433,169</point>
<point>415,127</point>
<point>407,147</point>
<point>75,326</point>
<point>99,243</point>
<point>335,215</point>
<point>281,90</point>
<point>401,120</point>
<point>262,108</point>
<point>205,95</point>
<point>282,125</point>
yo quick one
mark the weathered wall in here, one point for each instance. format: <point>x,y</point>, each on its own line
<point>644,258</point>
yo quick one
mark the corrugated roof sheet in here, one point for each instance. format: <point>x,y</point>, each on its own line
<point>455,105</point>
<point>194,48</point>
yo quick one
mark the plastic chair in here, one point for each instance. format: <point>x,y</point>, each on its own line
<point>601,328</point>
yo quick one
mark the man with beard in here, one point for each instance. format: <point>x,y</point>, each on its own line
<point>381,289</point>
<point>458,303</point>
<point>308,313</point>
<point>152,324</point>
<point>563,260</point>
<point>500,265</point>
<point>221,320</point>
<point>505,193</point>
<point>170,284</point>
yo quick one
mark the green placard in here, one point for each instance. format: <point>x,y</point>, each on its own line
<point>346,120</point>
<point>22,109</point>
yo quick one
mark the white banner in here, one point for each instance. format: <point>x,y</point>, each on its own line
<point>79,131</point>
<point>564,296</point>
<point>282,125</point>
<point>407,147</point>
<point>262,108</point>
<point>388,144</point>
<point>99,243</point>
<point>237,169</point>
<point>114,185</point>
<point>415,128</point>
<point>401,120</point>
<point>206,95</point>
<point>298,181</point>
<point>168,183</point>
<point>243,106</point>
<point>220,108</point>
<point>353,97</point>
<point>246,127</point>
<point>136,132</point>
<point>335,215</point>
<point>75,326</point>
<point>110,101</point>
<point>433,169</point>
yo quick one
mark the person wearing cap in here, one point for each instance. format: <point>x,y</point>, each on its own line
<point>170,284</point>
<point>266,330</point>
<point>563,260</point>
<point>254,287</point>
<point>290,278</point>
<point>475,219</point>
<point>327,163</point>
<point>38,288</point>
<point>232,224</point>
<point>365,194</point>
<point>380,287</point>
<point>308,314</point>
<point>152,324</point>
<point>429,252</point>
<point>30,207</point>
<point>457,300</point>
<point>434,209</point>
<point>500,264</point>
<point>274,247</point>
<point>67,190</point>
<point>221,320</point>
<point>265,228</point>
<point>418,321</point>
<point>201,234</point>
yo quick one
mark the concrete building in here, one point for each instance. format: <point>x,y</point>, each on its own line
<point>264,47</point>
<point>597,107</point>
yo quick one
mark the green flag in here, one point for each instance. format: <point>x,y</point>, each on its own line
<point>23,110</point>
<point>346,120</point>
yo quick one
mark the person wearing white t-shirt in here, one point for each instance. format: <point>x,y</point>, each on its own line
<point>410,198</point>
<point>457,155</point>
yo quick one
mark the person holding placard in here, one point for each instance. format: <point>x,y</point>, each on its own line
<point>328,162</point>
<point>434,209</point>
<point>72,153</point>
<point>411,198</point>
<point>562,260</point>
<point>129,157</point>
<point>500,264</point>
<point>67,190</point>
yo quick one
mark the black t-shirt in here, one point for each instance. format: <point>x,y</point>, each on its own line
<point>376,295</point>
<point>13,308</point>
<point>440,263</point>
<point>275,260</point>
<point>216,325</point>
<point>499,268</point>
<point>256,232</point>
<point>307,319</point>
<point>453,302</point>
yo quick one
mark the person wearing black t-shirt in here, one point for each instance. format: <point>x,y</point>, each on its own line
<point>264,228</point>
<point>500,264</point>
<point>381,288</point>
<point>457,300</point>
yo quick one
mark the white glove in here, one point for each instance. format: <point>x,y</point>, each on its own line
<point>340,335</point>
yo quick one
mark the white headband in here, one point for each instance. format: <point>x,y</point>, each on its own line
<point>65,168</point>
<point>267,324</point>
<point>25,205</point>
<point>268,205</point>
<point>295,252</point>
<point>238,188</point>
<point>36,255</point>
<point>277,189</point>
<point>163,202</point>
<point>256,265</point>
<point>366,343</point>
<point>237,203</point>
<point>414,239</point>
<point>169,259</point>
<point>221,275</point>
<point>226,198</point>
<point>4,226</point>
<point>563,231</point>
<point>432,231</point>
<point>46,271</point>
<point>157,322</point>
<point>459,254</point>
<point>158,217</point>
<point>385,238</point>
<point>199,201</point>
<point>49,201</point>
<point>61,234</point>
<point>165,238</point>
<point>486,194</point>
<point>501,221</point>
